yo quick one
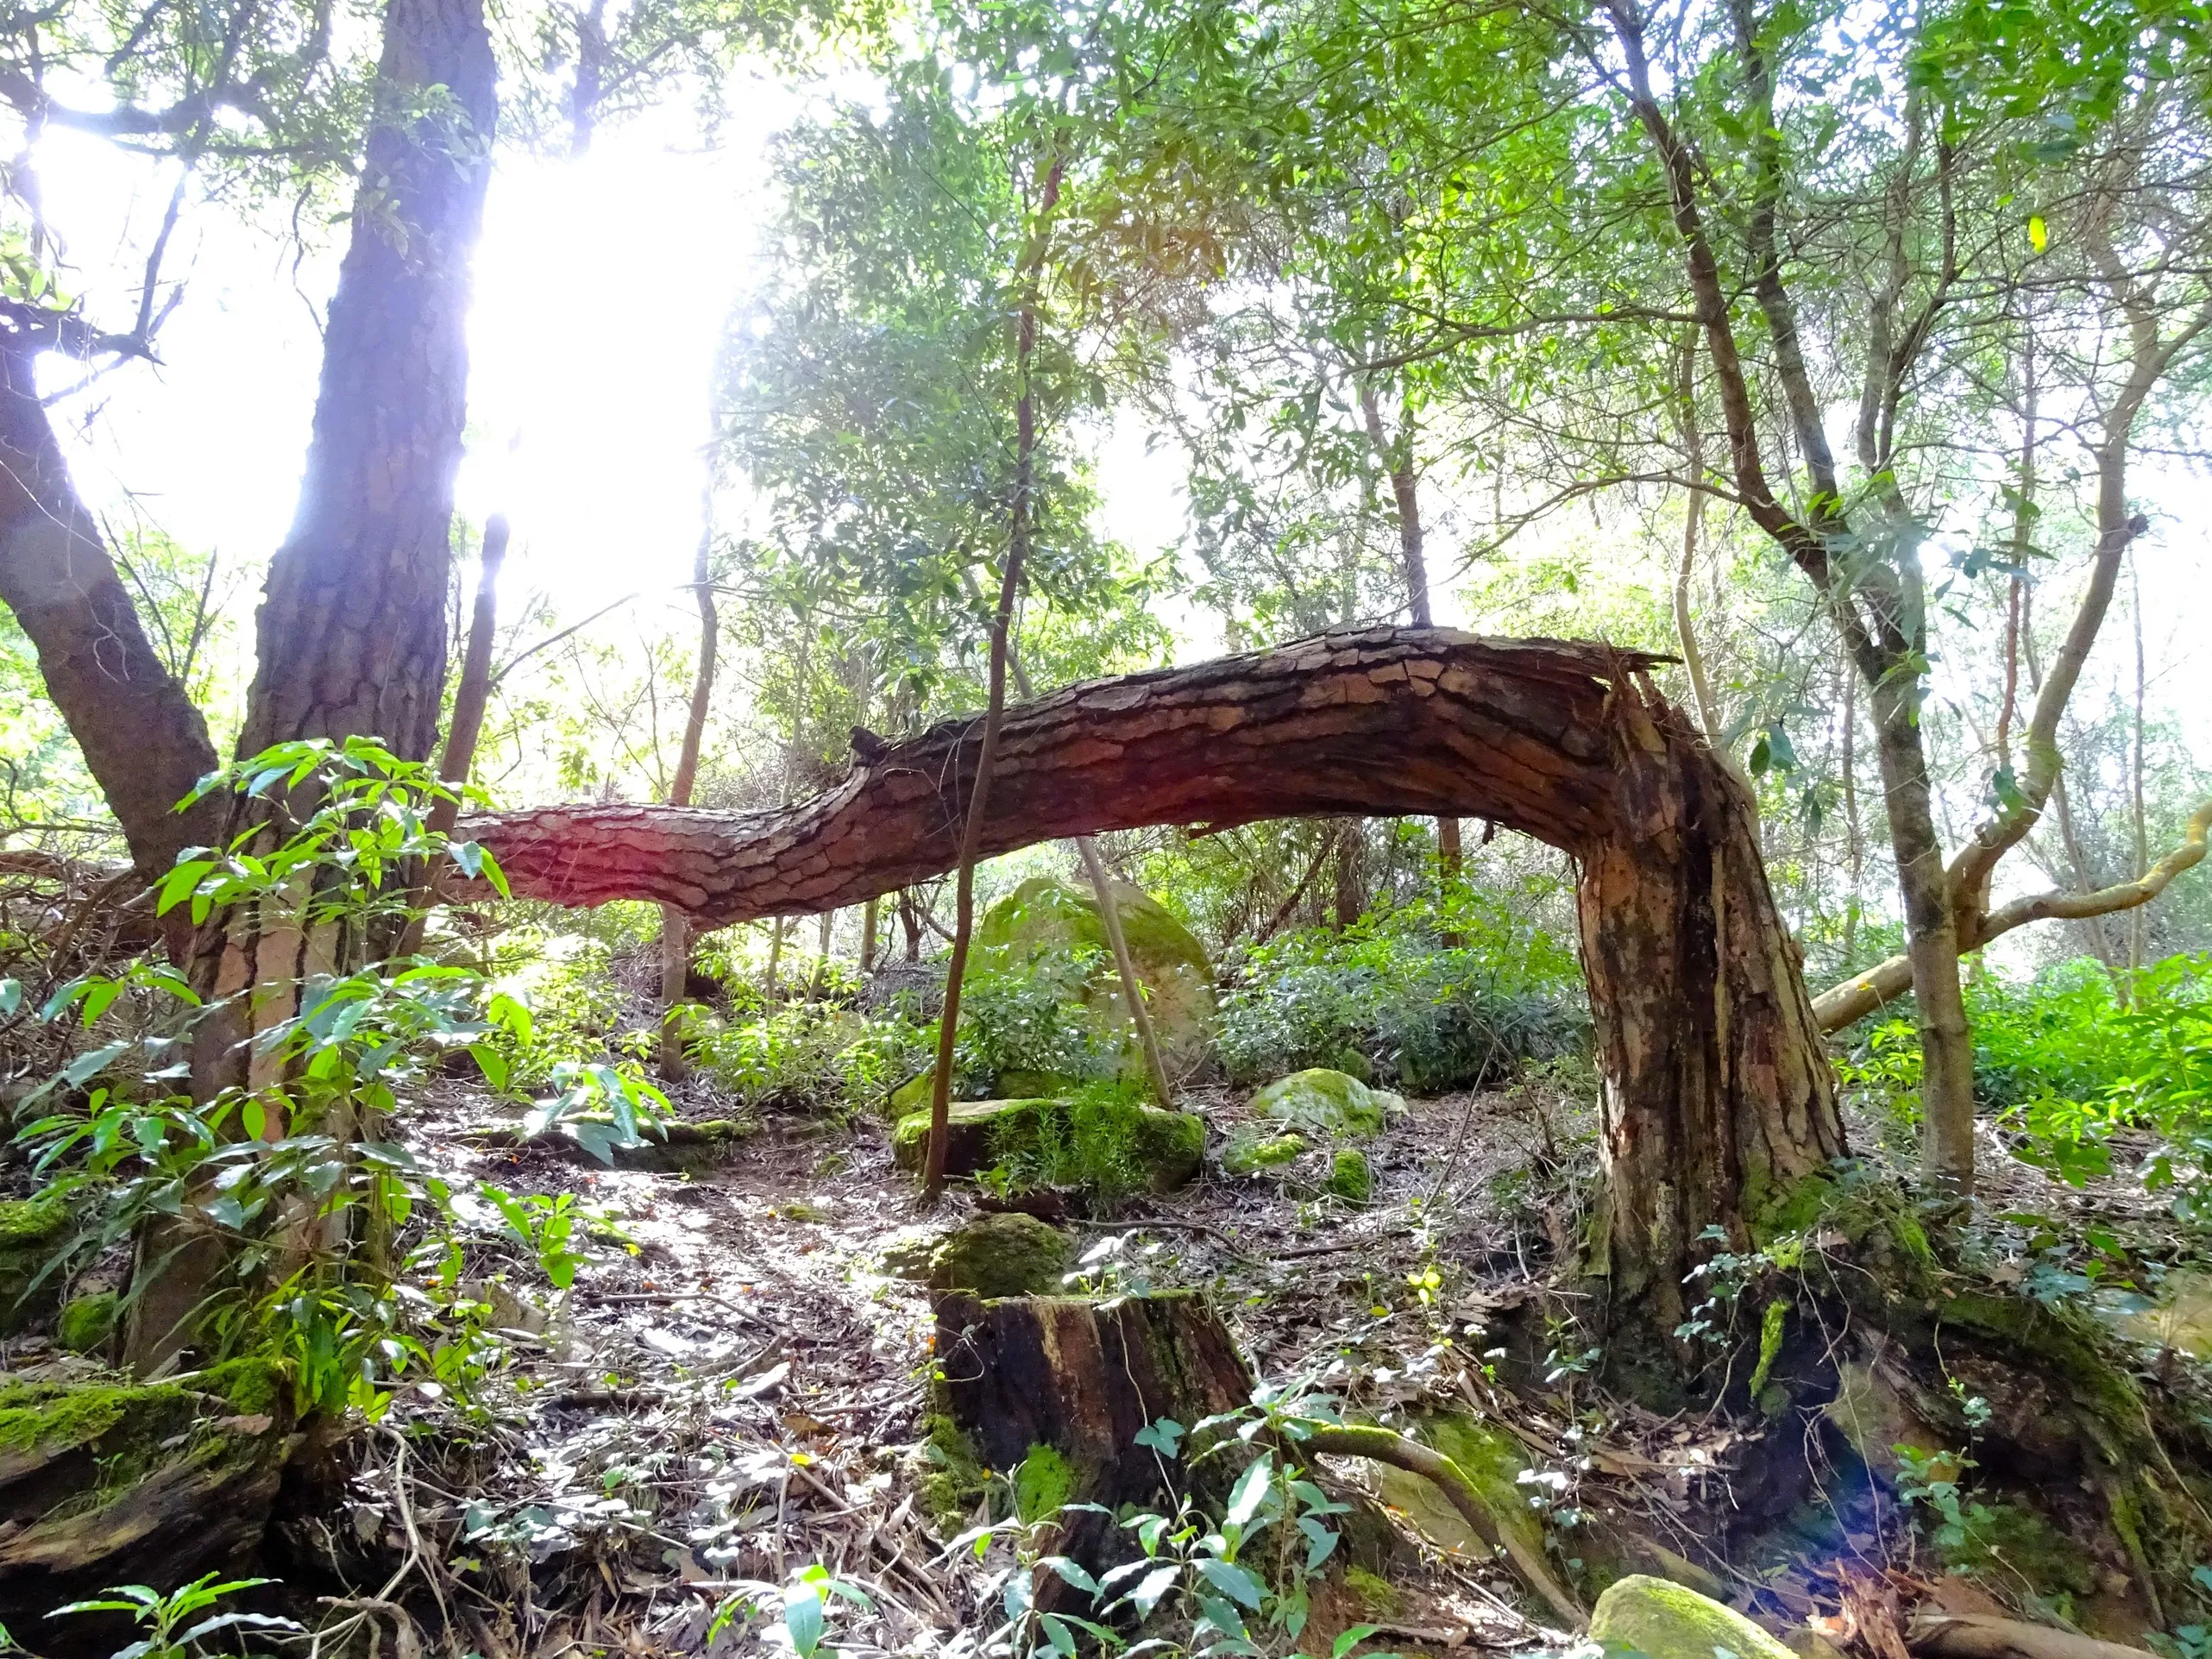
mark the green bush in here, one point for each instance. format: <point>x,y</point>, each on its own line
<point>1027,1017</point>
<point>1426,1015</point>
<point>808,1058</point>
<point>2065,1064</point>
<point>1095,1140</point>
<point>567,982</point>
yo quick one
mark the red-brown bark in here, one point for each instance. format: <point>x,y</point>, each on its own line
<point>1716,1092</point>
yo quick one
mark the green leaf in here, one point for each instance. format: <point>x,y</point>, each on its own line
<point>1351,1639</point>
<point>1250,1491</point>
<point>1232,1580</point>
<point>2038,234</point>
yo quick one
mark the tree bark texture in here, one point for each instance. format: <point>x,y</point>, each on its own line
<point>1716,1092</point>
<point>352,627</point>
<point>1084,1378</point>
<point>142,738</point>
<point>352,631</point>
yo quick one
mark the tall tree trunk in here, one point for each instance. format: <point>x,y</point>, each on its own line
<point>675,927</point>
<point>1717,1094</point>
<point>142,738</point>
<point>352,627</point>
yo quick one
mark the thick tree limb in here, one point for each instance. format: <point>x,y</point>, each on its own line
<point>1392,722</point>
<point>1715,1086</point>
<point>1885,981</point>
<point>144,741</point>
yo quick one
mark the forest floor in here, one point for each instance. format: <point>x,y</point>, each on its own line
<point>735,1386</point>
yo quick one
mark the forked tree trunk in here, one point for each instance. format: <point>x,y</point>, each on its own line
<point>352,627</point>
<point>1717,1094</point>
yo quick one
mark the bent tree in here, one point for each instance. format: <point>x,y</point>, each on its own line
<point>1717,1095</point>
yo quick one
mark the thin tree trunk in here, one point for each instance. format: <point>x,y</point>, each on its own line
<point>2135,918</point>
<point>1405,493</point>
<point>584,95</point>
<point>868,923</point>
<point>1855,837</point>
<point>910,922</point>
<point>675,927</point>
<point>1017,552</point>
<point>470,698</point>
<point>1351,898</point>
<point>1717,1094</point>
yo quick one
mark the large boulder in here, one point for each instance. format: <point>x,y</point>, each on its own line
<point>1328,1104</point>
<point>1666,1621</point>
<point>1162,1150</point>
<point>1046,913</point>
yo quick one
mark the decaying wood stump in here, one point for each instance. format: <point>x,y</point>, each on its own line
<point>1082,1378</point>
<point>102,1484</point>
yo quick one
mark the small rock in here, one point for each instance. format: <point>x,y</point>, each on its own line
<point>1328,1104</point>
<point>1252,1151</point>
<point>1666,1621</point>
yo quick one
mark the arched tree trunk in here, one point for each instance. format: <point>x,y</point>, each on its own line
<point>1717,1094</point>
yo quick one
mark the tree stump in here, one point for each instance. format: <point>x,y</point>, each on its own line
<point>1082,1378</point>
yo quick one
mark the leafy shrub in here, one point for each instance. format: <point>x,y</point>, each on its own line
<point>565,982</point>
<point>2067,1065</point>
<point>1426,1015</point>
<point>806,1057</point>
<point>1027,1017</point>
<point>1092,1139</point>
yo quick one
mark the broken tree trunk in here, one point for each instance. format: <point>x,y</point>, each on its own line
<point>1717,1095</point>
<point>1083,1378</point>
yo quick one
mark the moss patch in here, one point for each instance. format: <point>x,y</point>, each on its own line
<point>31,1230</point>
<point>1101,1140</point>
<point>1043,1483</point>
<point>87,1322</point>
<point>1491,1458</point>
<point>952,1483</point>
<point>1324,1103</point>
<point>1251,1150</point>
<point>1374,1592</point>
<point>1666,1621</point>
<point>1009,1254</point>
<point>1349,1177</point>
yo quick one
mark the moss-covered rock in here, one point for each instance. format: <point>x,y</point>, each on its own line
<point>1046,913</point>
<point>1008,1255</point>
<point>1349,1177</point>
<point>1326,1104</point>
<point>1491,1457</point>
<point>1251,1150</point>
<point>1053,1141</point>
<point>1665,1621</point>
<point>87,1322</point>
<point>31,1230</point>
